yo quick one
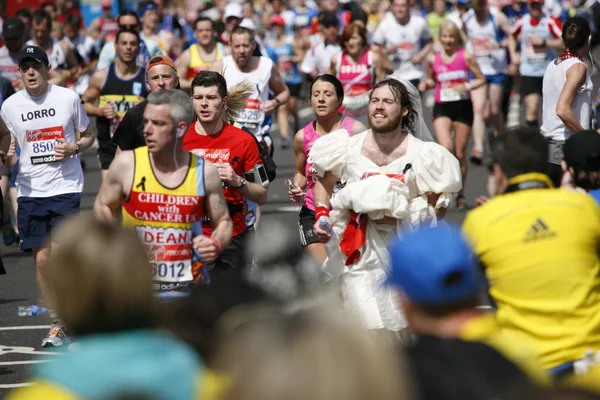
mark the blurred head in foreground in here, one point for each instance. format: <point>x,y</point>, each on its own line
<point>581,161</point>
<point>98,278</point>
<point>434,284</point>
<point>311,354</point>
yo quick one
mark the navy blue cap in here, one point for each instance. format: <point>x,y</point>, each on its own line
<point>434,266</point>
<point>34,52</point>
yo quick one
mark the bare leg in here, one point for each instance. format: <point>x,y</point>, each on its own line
<point>443,131</point>
<point>532,105</point>
<point>462,132</point>
<point>478,97</point>
<point>317,252</point>
<point>496,118</point>
<point>284,123</point>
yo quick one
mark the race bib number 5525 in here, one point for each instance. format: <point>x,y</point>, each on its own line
<point>41,143</point>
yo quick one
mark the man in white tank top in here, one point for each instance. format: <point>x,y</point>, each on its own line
<point>61,57</point>
<point>264,76</point>
<point>567,94</point>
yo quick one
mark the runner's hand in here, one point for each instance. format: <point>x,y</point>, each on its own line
<point>535,40</point>
<point>417,59</point>
<point>322,235</point>
<point>270,105</point>
<point>206,247</point>
<point>227,174</point>
<point>109,111</point>
<point>62,149</point>
<point>296,195</point>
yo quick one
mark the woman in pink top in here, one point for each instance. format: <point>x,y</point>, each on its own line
<point>358,68</point>
<point>326,95</point>
<point>449,72</point>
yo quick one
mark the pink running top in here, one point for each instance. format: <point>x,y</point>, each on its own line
<point>449,75</point>
<point>357,78</point>
<point>310,135</point>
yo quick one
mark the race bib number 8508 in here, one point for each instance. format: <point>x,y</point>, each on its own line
<point>41,143</point>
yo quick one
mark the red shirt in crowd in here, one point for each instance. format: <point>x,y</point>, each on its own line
<point>233,146</point>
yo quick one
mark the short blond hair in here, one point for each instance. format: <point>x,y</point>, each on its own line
<point>312,354</point>
<point>98,278</point>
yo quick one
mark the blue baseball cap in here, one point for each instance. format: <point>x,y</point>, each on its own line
<point>34,52</point>
<point>434,266</point>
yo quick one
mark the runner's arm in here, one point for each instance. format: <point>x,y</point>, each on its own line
<point>515,57</point>
<point>217,66</point>
<point>74,66</point>
<point>324,189</point>
<point>5,138</point>
<point>300,180</point>
<point>333,66</point>
<point>383,66</point>
<point>429,73</point>
<point>182,65</point>
<point>92,94</point>
<point>56,78</point>
<point>86,139</point>
<point>475,70</point>
<point>504,26</point>
<point>358,127</point>
<point>576,76</point>
<point>113,190</point>
<point>280,90</point>
<point>216,206</point>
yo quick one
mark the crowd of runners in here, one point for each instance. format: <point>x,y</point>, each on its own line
<point>178,101</point>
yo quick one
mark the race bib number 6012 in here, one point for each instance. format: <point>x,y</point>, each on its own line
<point>41,143</point>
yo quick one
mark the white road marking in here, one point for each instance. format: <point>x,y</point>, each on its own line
<point>289,209</point>
<point>4,363</point>
<point>25,327</point>
<point>15,385</point>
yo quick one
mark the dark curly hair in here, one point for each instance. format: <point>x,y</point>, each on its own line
<point>403,98</point>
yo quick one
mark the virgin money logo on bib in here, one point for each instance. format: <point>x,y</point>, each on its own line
<point>213,155</point>
<point>53,133</point>
<point>252,104</point>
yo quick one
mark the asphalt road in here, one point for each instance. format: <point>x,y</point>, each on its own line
<point>20,337</point>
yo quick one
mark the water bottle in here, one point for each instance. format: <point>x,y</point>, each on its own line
<point>323,224</point>
<point>31,311</point>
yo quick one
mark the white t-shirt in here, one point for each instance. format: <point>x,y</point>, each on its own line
<point>319,57</point>
<point>36,123</point>
<point>554,80</point>
<point>407,40</point>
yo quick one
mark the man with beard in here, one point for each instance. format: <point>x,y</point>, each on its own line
<point>117,88</point>
<point>394,182</point>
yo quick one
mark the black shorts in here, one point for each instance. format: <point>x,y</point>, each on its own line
<point>38,216</point>
<point>106,153</point>
<point>294,89</point>
<point>235,258</point>
<point>531,85</point>
<point>457,111</point>
<point>306,222</point>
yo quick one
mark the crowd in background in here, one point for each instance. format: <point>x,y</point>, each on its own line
<point>506,307</point>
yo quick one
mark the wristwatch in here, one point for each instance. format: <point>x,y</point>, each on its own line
<point>77,148</point>
<point>243,182</point>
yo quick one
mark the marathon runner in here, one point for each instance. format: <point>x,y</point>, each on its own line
<point>45,120</point>
<point>165,192</point>
<point>282,52</point>
<point>61,57</point>
<point>117,89</point>
<point>318,59</point>
<point>262,74</point>
<point>160,75</point>
<point>200,56</point>
<point>358,68</point>
<point>406,39</point>
<point>487,38</point>
<point>538,34</point>
<point>567,92</point>
<point>449,73</point>
<point>327,96</point>
<point>237,157</point>
<point>394,181</point>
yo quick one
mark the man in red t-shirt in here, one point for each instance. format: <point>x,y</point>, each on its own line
<point>236,155</point>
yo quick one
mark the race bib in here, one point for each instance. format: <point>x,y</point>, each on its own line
<point>170,253</point>
<point>482,48</point>
<point>286,69</point>
<point>447,92</point>
<point>172,272</point>
<point>122,104</point>
<point>405,51</point>
<point>536,53</point>
<point>251,115</point>
<point>41,143</point>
